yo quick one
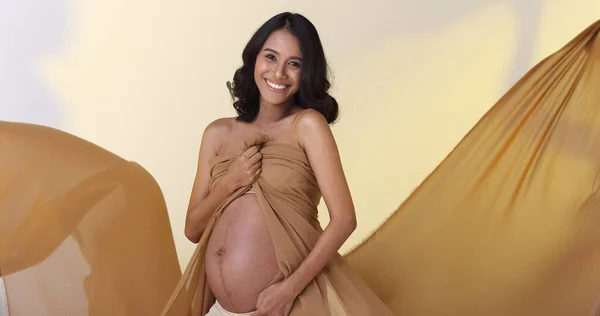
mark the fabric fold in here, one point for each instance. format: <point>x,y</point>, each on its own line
<point>82,231</point>
<point>507,223</point>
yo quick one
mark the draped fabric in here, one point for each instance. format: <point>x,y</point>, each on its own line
<point>288,194</point>
<point>507,224</point>
<point>82,231</point>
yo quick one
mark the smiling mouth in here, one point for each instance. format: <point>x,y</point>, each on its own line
<point>275,86</point>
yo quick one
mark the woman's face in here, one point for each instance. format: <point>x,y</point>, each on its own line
<point>277,68</point>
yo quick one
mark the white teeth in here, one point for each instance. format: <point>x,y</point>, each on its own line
<point>275,86</point>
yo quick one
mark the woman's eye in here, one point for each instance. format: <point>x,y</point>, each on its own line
<point>295,64</point>
<point>271,57</point>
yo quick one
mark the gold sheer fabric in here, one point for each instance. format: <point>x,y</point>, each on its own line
<point>506,225</point>
<point>82,231</point>
<point>509,222</point>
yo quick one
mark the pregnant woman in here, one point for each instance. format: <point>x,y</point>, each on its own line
<point>253,209</point>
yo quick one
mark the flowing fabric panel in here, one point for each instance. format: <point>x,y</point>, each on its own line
<point>82,231</point>
<point>508,223</point>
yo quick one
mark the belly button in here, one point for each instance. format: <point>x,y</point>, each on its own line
<point>220,252</point>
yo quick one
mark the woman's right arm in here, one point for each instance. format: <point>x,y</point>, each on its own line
<point>243,171</point>
<point>203,200</point>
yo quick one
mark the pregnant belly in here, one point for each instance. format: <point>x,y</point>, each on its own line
<point>240,256</point>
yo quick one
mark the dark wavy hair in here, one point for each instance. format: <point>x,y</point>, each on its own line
<point>314,82</point>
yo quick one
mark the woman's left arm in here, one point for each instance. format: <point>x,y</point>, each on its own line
<point>316,138</point>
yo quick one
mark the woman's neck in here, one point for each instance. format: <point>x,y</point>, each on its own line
<point>270,113</point>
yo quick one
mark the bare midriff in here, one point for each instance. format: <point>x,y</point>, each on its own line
<point>240,256</point>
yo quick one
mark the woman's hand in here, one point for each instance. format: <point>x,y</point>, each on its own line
<point>245,169</point>
<point>276,300</point>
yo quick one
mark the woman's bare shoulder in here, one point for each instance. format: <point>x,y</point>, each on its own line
<point>216,132</point>
<point>223,124</point>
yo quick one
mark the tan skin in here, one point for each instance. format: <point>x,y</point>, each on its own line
<point>278,62</point>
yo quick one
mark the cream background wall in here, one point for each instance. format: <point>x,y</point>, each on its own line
<point>144,78</point>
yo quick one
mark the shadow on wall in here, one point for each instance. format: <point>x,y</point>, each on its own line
<point>441,13</point>
<point>413,120</point>
<point>421,17</point>
<point>30,30</point>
